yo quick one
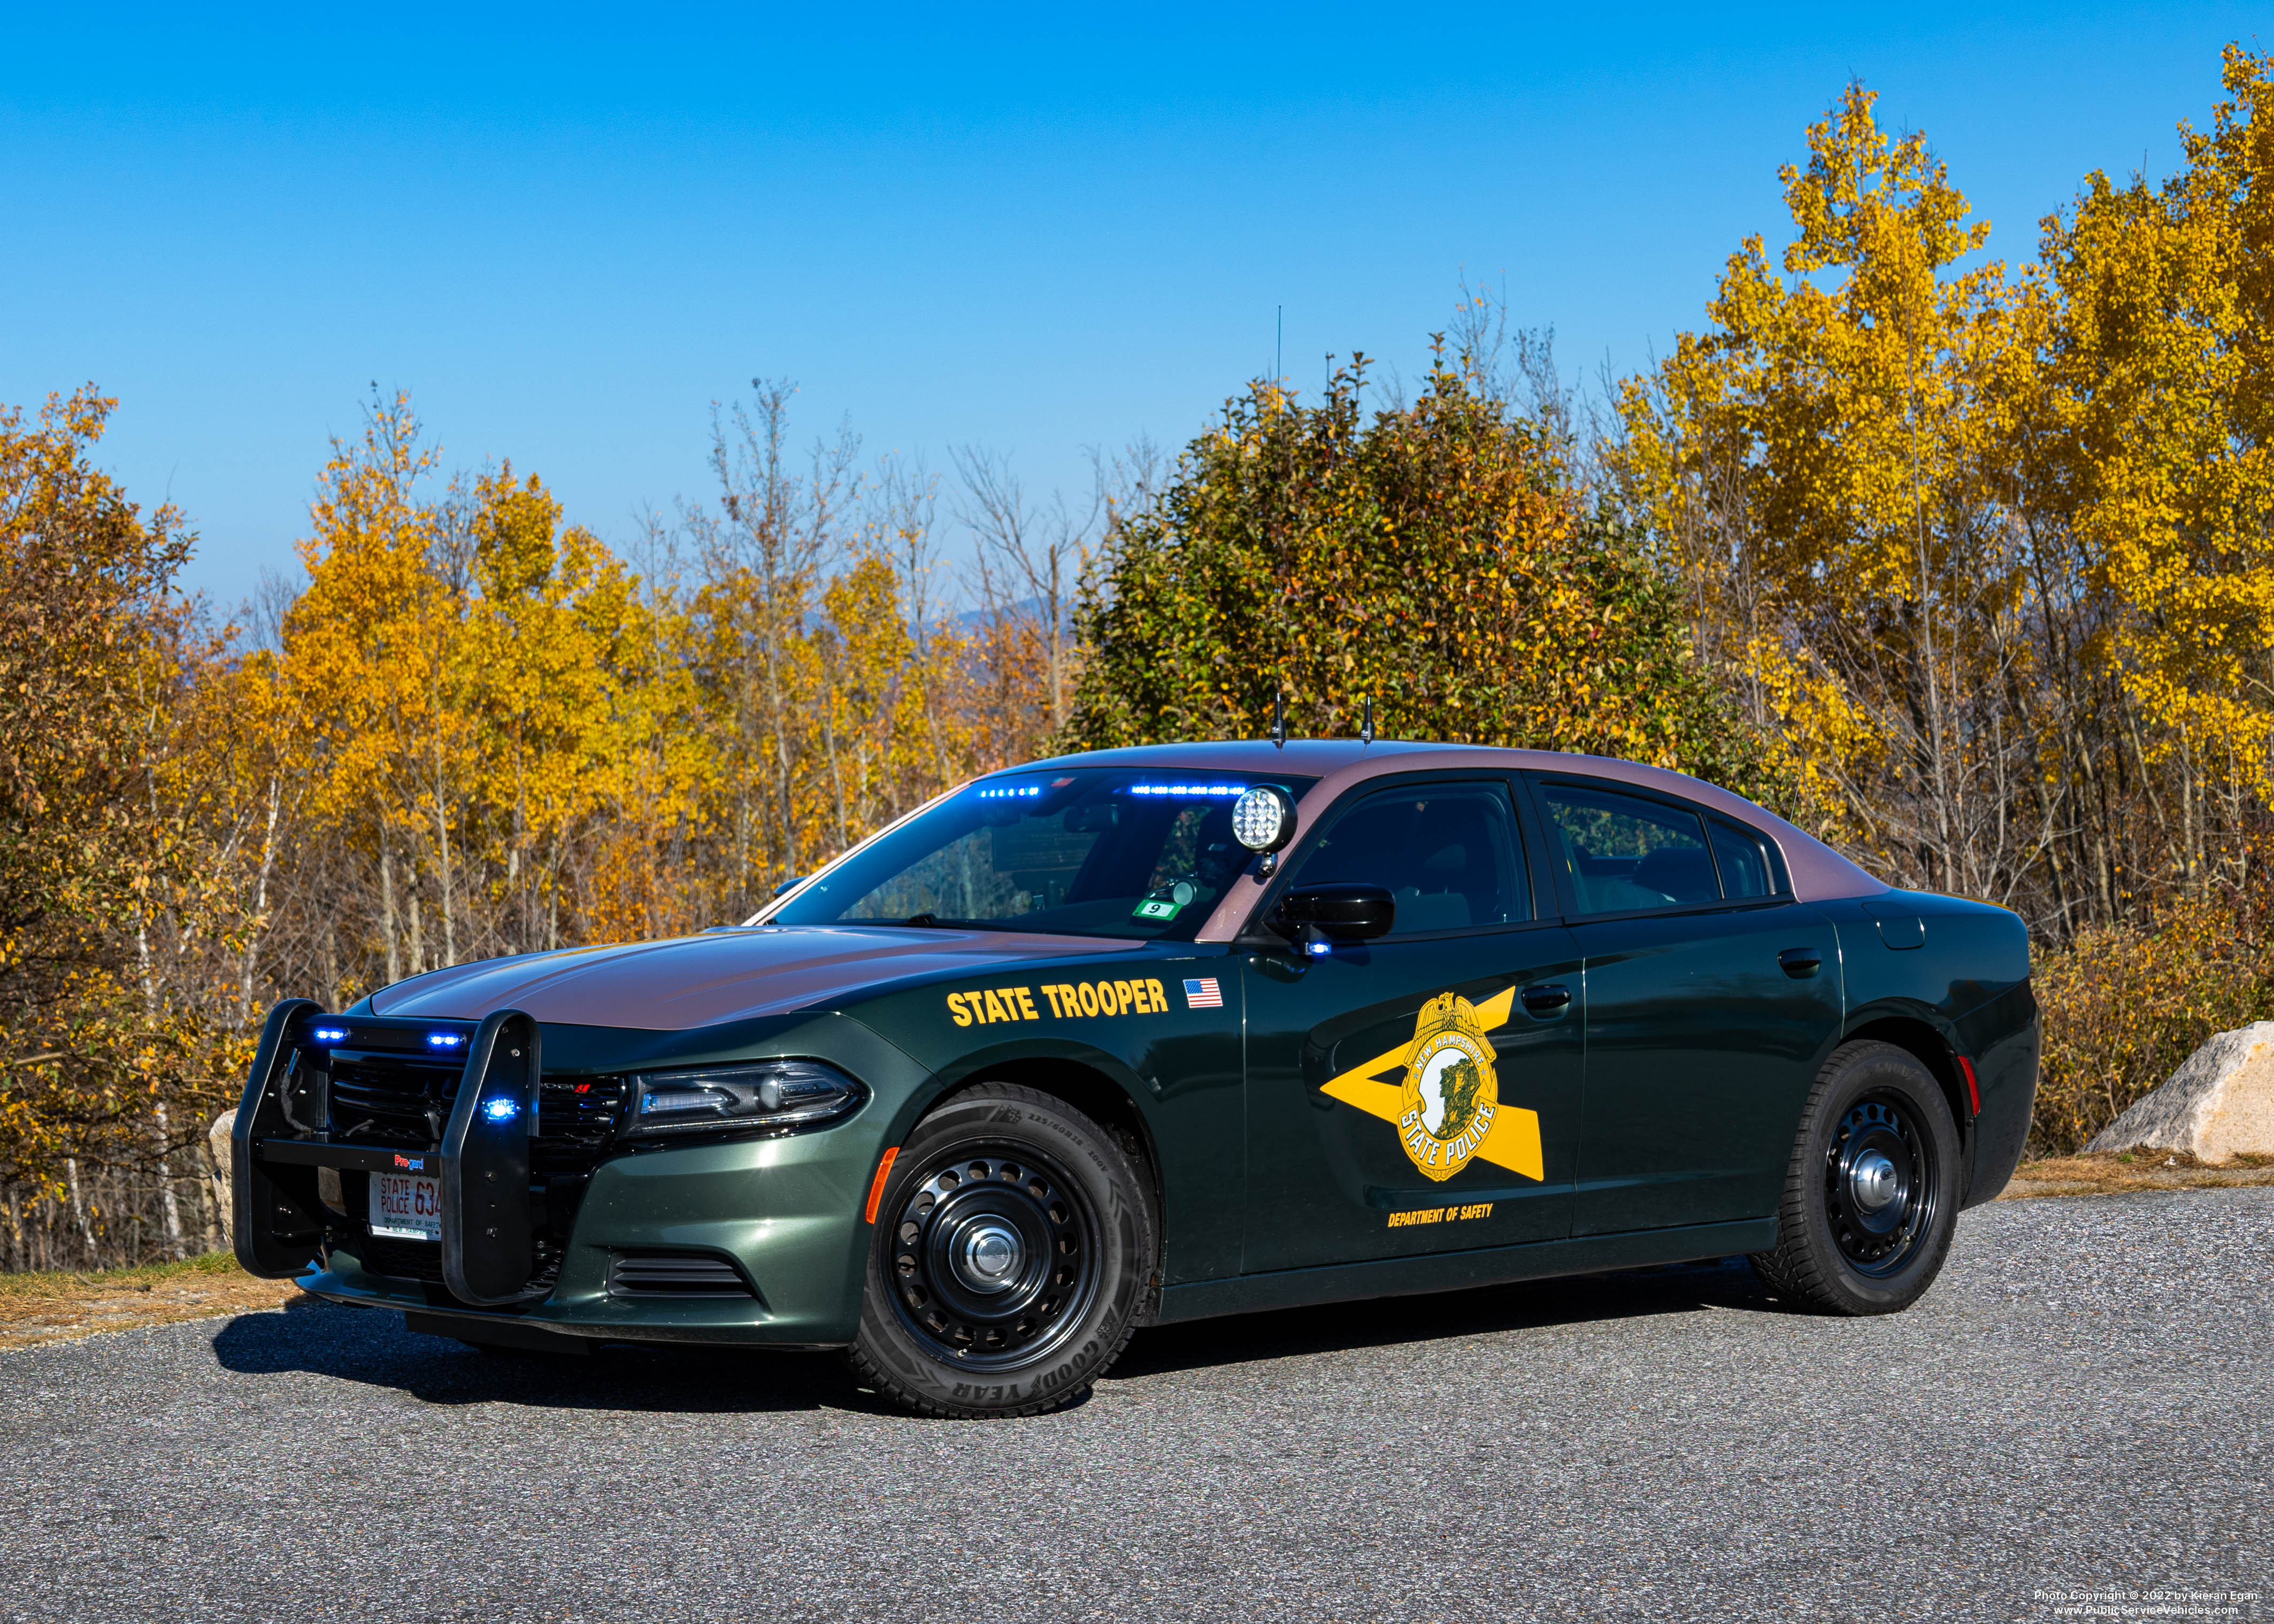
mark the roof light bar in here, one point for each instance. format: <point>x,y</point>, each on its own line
<point>1211,791</point>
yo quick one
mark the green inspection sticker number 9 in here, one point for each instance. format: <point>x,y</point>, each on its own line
<point>1165,904</point>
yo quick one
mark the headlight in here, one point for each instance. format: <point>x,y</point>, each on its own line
<point>765,1094</point>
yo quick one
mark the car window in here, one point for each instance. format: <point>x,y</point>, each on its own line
<point>1446,853</point>
<point>1742,859</point>
<point>1624,852</point>
<point>1143,854</point>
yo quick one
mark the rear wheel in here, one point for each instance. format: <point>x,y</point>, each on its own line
<point>1013,1257</point>
<point>1871,1200</point>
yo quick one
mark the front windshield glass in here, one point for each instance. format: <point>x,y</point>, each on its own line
<point>1078,851</point>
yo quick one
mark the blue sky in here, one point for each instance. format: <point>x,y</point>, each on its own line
<point>568,231</point>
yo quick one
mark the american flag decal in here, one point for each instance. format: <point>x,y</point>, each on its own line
<point>1204,995</point>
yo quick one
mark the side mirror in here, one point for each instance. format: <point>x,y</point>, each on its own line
<point>1346,912</point>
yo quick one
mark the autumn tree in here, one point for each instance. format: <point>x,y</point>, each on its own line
<point>2157,459</point>
<point>1028,560</point>
<point>102,878</point>
<point>1829,462</point>
<point>1433,559</point>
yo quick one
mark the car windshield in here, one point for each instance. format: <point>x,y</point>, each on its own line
<point>1077,851</point>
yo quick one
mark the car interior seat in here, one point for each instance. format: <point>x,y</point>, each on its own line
<point>1678,873</point>
<point>1454,881</point>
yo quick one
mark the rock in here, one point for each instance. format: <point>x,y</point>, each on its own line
<point>2219,1105</point>
<point>217,1142</point>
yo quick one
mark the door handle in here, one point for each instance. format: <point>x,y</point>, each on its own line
<point>1546,1001</point>
<point>1800,963</point>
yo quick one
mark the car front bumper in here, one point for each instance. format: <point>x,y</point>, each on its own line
<point>758,1241</point>
<point>785,1213</point>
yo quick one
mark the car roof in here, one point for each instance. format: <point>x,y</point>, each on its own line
<point>1818,872</point>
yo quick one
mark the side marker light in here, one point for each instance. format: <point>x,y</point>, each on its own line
<point>1973,1089</point>
<point>876,1188</point>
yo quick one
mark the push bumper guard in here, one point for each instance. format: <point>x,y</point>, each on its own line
<point>282,1137</point>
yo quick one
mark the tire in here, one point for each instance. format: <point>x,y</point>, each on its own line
<point>1013,1254</point>
<point>1856,1235</point>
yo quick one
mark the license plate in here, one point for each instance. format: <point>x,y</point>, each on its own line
<point>404,1207</point>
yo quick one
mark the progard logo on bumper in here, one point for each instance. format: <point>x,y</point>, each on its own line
<point>1445,1102</point>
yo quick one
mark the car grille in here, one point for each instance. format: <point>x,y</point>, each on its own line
<point>674,1273</point>
<point>402,1260</point>
<point>577,1119</point>
<point>408,1103</point>
<point>401,1102</point>
<point>378,1100</point>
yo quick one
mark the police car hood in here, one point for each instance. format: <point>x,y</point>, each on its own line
<point>720,975</point>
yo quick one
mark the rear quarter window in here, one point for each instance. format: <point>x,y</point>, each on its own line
<point>1743,860</point>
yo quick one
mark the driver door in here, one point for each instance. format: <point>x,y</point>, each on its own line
<point>1405,1095</point>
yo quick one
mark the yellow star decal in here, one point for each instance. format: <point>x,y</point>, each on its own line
<point>1513,1141</point>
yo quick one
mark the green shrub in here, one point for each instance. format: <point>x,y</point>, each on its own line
<point>2124,1005</point>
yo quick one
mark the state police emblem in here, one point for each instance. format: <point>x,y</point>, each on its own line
<point>1446,1103</point>
<point>1452,1095</point>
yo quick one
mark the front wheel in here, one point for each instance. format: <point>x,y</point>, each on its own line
<point>1013,1254</point>
<point>1871,1197</point>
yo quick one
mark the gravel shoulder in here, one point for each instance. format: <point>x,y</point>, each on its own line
<point>2108,1173</point>
<point>2086,1399</point>
<point>61,1306</point>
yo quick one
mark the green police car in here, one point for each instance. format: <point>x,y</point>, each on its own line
<point>1146,1036</point>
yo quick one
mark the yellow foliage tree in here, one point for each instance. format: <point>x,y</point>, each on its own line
<point>1827,461</point>
<point>2163,397</point>
<point>115,920</point>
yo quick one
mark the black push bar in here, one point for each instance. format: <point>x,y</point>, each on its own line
<point>482,1164</point>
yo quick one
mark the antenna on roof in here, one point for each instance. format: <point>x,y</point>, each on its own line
<point>1278,720</point>
<point>1365,726</point>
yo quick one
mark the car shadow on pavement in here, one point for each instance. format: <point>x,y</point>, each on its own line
<point>371,1346</point>
<point>1290,1333</point>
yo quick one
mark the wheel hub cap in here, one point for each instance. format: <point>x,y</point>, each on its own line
<point>993,1258</point>
<point>1881,1185</point>
<point>988,1258</point>
<point>1872,1181</point>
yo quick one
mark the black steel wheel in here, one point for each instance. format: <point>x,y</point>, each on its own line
<point>1871,1199</point>
<point>1880,1188</point>
<point>1014,1255</point>
<point>994,1256</point>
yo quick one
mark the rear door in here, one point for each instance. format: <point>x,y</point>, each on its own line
<point>1712,998</point>
<point>1402,1095</point>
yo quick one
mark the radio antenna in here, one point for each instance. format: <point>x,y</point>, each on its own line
<point>1278,720</point>
<point>1365,727</point>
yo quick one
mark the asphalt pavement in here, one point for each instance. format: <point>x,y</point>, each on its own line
<point>2084,1403</point>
